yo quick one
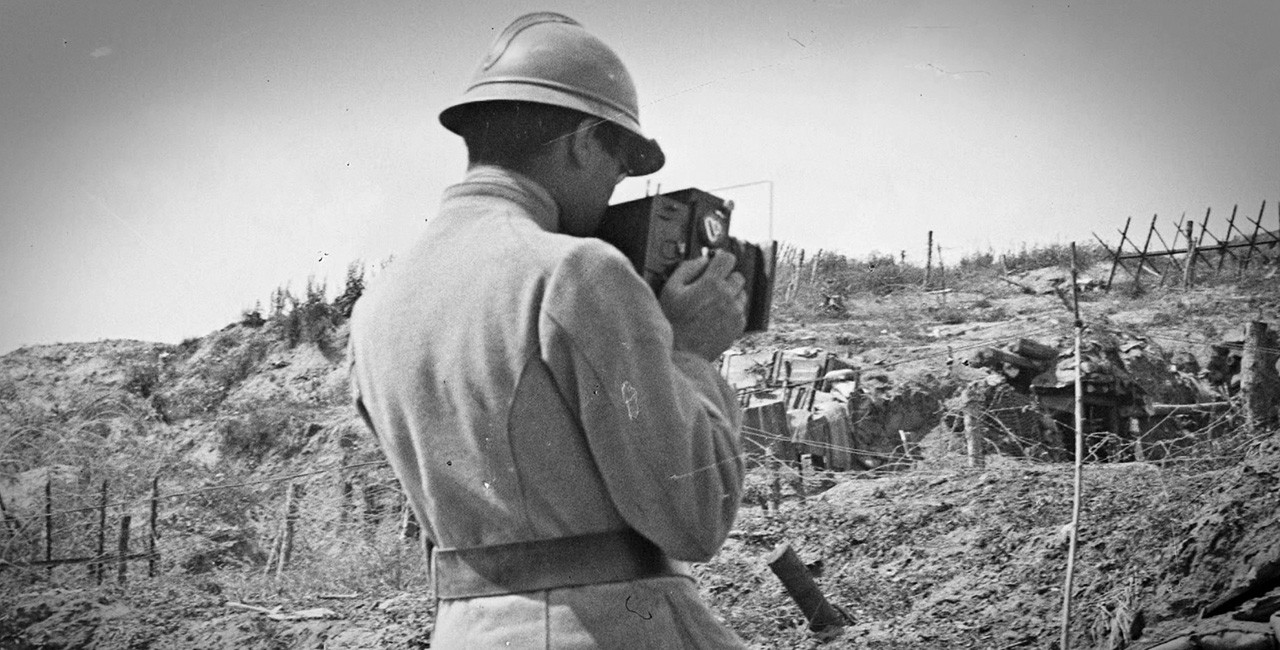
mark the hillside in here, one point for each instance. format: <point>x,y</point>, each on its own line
<point>918,548</point>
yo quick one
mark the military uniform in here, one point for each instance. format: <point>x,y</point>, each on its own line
<point>564,460</point>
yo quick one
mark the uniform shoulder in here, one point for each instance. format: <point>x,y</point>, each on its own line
<point>594,253</point>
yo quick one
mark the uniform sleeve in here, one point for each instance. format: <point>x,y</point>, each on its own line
<point>662,426</point>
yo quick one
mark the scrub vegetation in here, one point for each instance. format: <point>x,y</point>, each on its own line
<point>279,526</point>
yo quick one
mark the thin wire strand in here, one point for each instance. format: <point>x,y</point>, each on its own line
<point>212,488</point>
<point>949,354</point>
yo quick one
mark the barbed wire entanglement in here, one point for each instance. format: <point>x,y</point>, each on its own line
<point>354,515</point>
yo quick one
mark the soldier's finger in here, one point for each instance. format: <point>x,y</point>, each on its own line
<point>722,263</point>
<point>736,281</point>
<point>689,271</point>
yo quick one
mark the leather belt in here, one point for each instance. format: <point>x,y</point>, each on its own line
<point>548,564</point>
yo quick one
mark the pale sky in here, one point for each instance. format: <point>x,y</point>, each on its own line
<point>165,164</point>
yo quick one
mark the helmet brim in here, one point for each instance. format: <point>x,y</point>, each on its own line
<point>644,155</point>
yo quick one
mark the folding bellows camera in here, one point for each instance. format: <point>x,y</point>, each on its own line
<point>658,232</point>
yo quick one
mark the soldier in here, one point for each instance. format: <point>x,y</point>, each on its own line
<point>562,434</point>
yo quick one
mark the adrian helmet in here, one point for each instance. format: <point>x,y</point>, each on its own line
<point>548,58</point>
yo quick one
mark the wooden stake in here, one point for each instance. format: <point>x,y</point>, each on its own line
<point>775,483</point>
<point>1115,260</point>
<point>1253,239</point>
<point>775,368</point>
<point>1172,260</point>
<point>1223,247</point>
<point>1142,258</point>
<point>10,524</point>
<point>97,567</point>
<point>800,585</point>
<point>1257,227</point>
<point>1257,370</point>
<point>48,523</point>
<point>928,262</point>
<point>1204,227</point>
<point>973,439</point>
<point>1189,273</point>
<point>1177,232</point>
<point>286,535</point>
<point>152,534</point>
<point>1231,225</point>
<point>1065,641</point>
<point>122,550</point>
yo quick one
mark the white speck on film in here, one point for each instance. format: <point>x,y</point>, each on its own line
<point>631,398</point>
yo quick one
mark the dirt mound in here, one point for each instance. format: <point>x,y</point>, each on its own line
<point>952,558</point>
<point>1229,551</point>
<point>174,616</point>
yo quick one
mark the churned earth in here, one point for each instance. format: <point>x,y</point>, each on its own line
<point>928,554</point>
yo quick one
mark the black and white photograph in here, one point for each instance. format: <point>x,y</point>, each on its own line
<point>407,324</point>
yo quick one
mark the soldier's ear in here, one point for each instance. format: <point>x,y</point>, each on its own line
<point>580,143</point>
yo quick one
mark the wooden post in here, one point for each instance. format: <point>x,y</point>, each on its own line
<point>1135,433</point>
<point>98,568</point>
<point>1275,240</point>
<point>1188,277</point>
<point>152,534</point>
<point>372,509</point>
<point>122,550</point>
<point>1115,261</point>
<point>1223,247</point>
<point>973,438</point>
<point>1226,240</point>
<point>800,585</point>
<point>1142,255</point>
<point>1065,641</point>
<point>1173,261</point>
<point>345,501</point>
<point>775,368</point>
<point>775,483</point>
<point>1204,228</point>
<point>794,284</point>
<point>1258,383</point>
<point>1168,252</point>
<point>928,262</point>
<point>786,385</point>
<point>10,524</point>
<point>828,366</point>
<point>1257,227</point>
<point>48,523</point>
<point>286,535</point>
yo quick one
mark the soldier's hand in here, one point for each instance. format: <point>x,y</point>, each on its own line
<point>706,304</point>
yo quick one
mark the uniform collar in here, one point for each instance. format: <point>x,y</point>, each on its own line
<point>498,182</point>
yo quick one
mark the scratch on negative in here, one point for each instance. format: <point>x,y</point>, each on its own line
<point>645,615</point>
<point>631,397</point>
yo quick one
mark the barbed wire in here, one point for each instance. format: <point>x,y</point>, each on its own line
<point>212,488</point>
<point>949,355</point>
<point>886,365</point>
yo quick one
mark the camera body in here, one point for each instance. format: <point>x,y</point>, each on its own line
<point>658,232</point>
